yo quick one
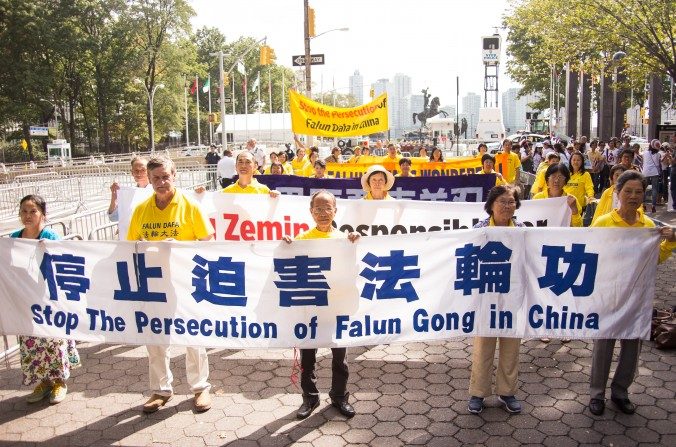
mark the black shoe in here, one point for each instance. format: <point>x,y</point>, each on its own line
<point>344,407</point>
<point>309,405</point>
<point>597,406</point>
<point>624,405</point>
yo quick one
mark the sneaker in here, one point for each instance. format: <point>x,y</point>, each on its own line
<point>476,405</point>
<point>58,393</point>
<point>511,403</point>
<point>40,392</point>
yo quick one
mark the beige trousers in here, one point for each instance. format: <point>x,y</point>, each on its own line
<point>196,369</point>
<point>482,366</point>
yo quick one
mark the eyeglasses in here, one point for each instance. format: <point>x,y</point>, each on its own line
<point>506,203</point>
<point>318,210</point>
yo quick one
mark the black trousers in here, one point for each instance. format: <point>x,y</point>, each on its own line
<point>339,373</point>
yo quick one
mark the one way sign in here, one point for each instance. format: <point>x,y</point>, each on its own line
<point>315,59</point>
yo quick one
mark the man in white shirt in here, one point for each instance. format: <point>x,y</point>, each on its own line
<point>257,152</point>
<point>226,169</point>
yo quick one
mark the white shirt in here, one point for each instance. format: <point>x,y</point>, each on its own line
<point>259,156</point>
<point>226,167</point>
<point>651,164</point>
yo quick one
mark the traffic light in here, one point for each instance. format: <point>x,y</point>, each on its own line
<point>311,22</point>
<point>226,79</point>
<point>372,93</point>
<point>267,55</point>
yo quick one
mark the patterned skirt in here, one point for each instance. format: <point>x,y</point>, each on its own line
<point>47,359</point>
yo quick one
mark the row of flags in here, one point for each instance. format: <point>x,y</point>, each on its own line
<point>240,69</point>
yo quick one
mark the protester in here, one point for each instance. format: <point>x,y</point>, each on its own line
<point>652,170</point>
<point>540,183</point>
<point>580,184</point>
<point>320,170</point>
<point>276,168</point>
<point>212,159</point>
<point>355,155</point>
<point>488,164</point>
<point>309,166</point>
<point>509,163</point>
<point>257,152</point>
<point>169,205</point>
<point>405,168</point>
<point>246,183</point>
<point>140,173</point>
<point>526,155</point>
<point>436,155</point>
<point>376,182</point>
<point>638,158</point>
<point>598,163</point>
<point>283,160</point>
<point>604,175</point>
<point>556,177</point>
<point>630,188</point>
<point>323,210</point>
<point>423,152</point>
<point>481,149</point>
<point>226,169</point>
<point>299,161</point>
<point>502,202</point>
<point>608,199</point>
<point>334,157</point>
<point>392,154</point>
<point>626,159</point>
<point>45,361</point>
<point>666,158</point>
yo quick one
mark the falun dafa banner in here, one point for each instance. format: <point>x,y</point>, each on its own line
<point>310,117</point>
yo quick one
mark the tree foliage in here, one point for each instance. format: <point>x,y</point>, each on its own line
<point>585,34</point>
<point>82,60</point>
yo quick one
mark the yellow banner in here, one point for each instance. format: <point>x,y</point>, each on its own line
<point>309,117</point>
<point>420,166</point>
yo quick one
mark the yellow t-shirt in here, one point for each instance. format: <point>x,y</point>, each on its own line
<point>498,178</point>
<point>613,220</point>
<point>315,233</point>
<point>581,186</point>
<point>575,218</point>
<point>297,165</point>
<point>539,184</point>
<point>307,170</point>
<point>507,164</point>
<point>182,220</point>
<point>605,204</point>
<point>368,196</point>
<point>288,169</point>
<point>252,188</point>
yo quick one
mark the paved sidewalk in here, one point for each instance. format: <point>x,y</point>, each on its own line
<point>412,394</point>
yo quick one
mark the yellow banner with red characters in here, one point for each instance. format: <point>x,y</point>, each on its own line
<point>310,117</point>
<point>420,166</point>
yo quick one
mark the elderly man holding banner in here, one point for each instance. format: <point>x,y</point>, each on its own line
<point>323,209</point>
<point>170,208</point>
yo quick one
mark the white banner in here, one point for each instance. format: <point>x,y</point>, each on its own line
<point>513,282</point>
<point>254,217</point>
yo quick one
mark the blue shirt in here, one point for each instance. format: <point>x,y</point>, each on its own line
<point>46,233</point>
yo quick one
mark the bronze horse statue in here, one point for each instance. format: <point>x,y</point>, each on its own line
<point>429,112</point>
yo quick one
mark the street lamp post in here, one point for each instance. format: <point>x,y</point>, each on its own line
<point>151,102</point>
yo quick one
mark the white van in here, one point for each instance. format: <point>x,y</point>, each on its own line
<point>490,126</point>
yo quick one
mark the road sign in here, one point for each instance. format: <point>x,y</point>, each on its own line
<point>39,131</point>
<point>315,59</point>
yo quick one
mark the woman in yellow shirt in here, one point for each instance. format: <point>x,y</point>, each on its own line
<point>488,164</point>
<point>377,181</point>
<point>580,184</point>
<point>298,162</point>
<point>556,177</point>
<point>539,183</point>
<point>630,186</point>
<point>608,199</point>
<point>309,166</point>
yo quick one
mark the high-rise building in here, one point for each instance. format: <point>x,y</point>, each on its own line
<point>450,110</point>
<point>514,109</point>
<point>471,103</point>
<point>357,87</point>
<point>385,86</point>
<point>400,104</point>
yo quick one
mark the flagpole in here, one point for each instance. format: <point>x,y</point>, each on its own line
<point>246,105</point>
<point>211,124</point>
<point>185,100</point>
<point>197,95</point>
<point>233,108</point>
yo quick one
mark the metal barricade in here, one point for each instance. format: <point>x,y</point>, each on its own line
<point>107,232</point>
